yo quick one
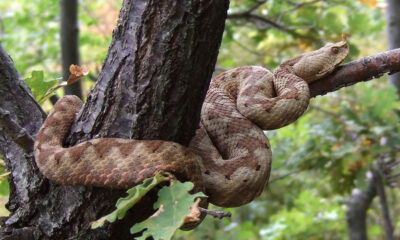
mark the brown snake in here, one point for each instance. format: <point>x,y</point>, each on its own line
<point>229,158</point>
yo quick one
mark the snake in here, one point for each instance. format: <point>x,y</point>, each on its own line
<point>229,158</point>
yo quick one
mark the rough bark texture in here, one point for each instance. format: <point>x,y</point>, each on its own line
<point>356,213</point>
<point>19,110</point>
<point>70,42</point>
<point>393,30</point>
<point>166,52</point>
<point>152,85</point>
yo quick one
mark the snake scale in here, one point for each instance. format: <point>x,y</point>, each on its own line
<point>229,158</point>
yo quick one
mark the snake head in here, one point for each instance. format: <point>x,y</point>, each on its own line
<point>314,65</point>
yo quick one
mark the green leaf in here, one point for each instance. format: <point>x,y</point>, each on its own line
<point>134,195</point>
<point>38,85</point>
<point>51,91</point>
<point>173,205</point>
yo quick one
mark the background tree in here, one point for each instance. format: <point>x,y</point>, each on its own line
<point>70,43</point>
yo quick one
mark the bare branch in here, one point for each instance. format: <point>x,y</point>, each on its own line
<point>392,165</point>
<point>255,17</point>
<point>285,175</point>
<point>393,176</point>
<point>264,23</point>
<point>296,6</point>
<point>255,6</point>
<point>360,70</point>
<point>215,214</point>
<point>247,49</point>
<point>318,108</point>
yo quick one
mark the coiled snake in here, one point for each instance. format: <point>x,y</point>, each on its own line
<point>229,157</point>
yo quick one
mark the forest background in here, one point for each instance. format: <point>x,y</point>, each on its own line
<point>321,162</point>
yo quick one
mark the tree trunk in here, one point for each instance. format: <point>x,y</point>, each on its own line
<point>393,29</point>
<point>17,102</point>
<point>380,189</point>
<point>152,85</point>
<point>356,213</point>
<point>70,42</point>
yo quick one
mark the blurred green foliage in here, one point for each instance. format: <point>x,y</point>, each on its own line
<point>29,31</point>
<point>318,160</point>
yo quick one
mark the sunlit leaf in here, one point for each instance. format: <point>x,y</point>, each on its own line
<point>38,85</point>
<point>173,206</point>
<point>134,195</point>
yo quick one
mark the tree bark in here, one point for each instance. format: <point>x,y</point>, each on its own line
<point>70,43</point>
<point>393,30</point>
<point>166,54</point>
<point>21,115</point>
<point>152,85</point>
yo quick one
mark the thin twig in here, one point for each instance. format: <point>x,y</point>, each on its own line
<point>255,6</point>
<point>252,8</point>
<point>215,214</point>
<point>315,107</point>
<point>296,7</point>
<point>389,177</point>
<point>292,172</point>
<point>285,175</point>
<point>244,47</point>
<point>18,134</point>
<point>393,164</point>
<point>257,19</point>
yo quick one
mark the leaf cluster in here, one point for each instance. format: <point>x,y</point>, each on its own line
<point>173,206</point>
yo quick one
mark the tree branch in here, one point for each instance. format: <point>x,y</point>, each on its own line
<point>318,108</point>
<point>361,70</point>
<point>285,175</point>
<point>216,214</point>
<point>264,23</point>
<point>255,6</point>
<point>296,6</point>
<point>21,117</point>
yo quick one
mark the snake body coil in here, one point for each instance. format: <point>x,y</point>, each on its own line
<point>229,158</point>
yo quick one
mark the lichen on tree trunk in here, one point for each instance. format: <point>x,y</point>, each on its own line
<point>151,86</point>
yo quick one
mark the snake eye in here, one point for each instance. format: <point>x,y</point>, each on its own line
<point>335,50</point>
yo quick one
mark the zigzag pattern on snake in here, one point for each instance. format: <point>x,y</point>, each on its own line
<point>229,158</point>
